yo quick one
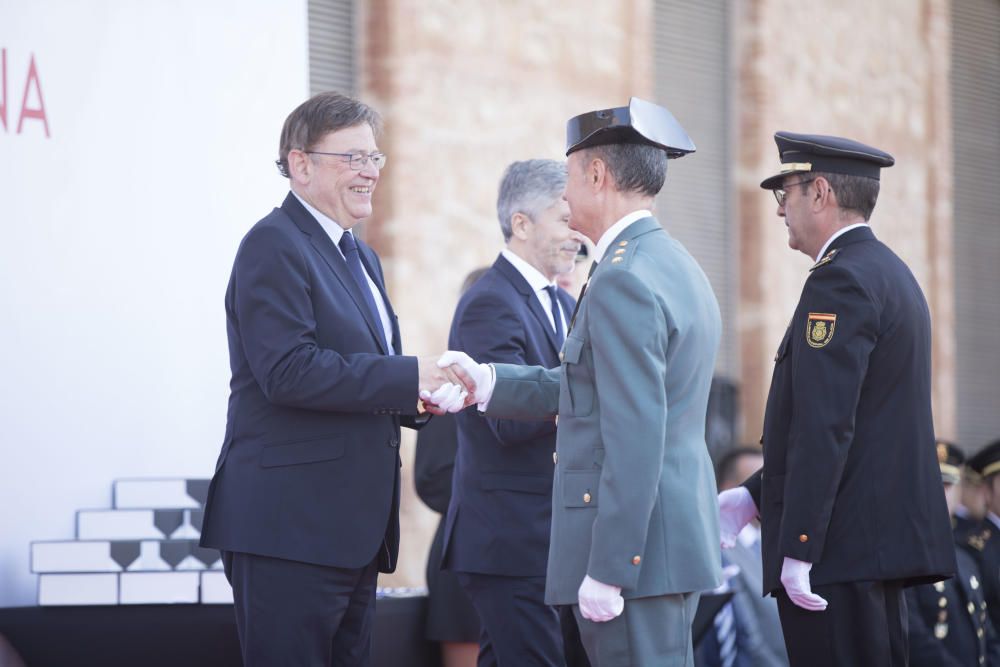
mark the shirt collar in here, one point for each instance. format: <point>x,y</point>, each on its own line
<point>612,233</point>
<point>332,229</point>
<point>837,234</point>
<point>535,279</point>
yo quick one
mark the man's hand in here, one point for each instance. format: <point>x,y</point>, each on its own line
<point>736,508</point>
<point>795,579</point>
<point>448,398</point>
<point>480,374</point>
<point>432,376</point>
<point>599,602</point>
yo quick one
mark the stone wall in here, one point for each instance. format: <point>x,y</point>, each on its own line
<point>875,72</point>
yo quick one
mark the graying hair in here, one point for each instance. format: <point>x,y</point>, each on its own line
<point>634,167</point>
<point>854,193</point>
<point>529,187</point>
<point>318,116</point>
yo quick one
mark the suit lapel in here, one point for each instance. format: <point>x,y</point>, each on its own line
<point>323,244</point>
<point>534,305</point>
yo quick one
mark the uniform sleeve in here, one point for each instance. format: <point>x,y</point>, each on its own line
<point>628,332</point>
<point>272,308</point>
<point>489,331</point>
<point>829,363</point>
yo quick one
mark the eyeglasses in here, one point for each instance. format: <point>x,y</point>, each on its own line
<point>781,193</point>
<point>357,160</point>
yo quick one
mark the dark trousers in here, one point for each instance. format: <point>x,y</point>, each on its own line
<point>291,613</point>
<point>863,625</point>
<point>517,628</point>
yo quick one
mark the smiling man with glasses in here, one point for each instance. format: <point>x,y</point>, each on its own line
<point>304,504</point>
<point>849,498</point>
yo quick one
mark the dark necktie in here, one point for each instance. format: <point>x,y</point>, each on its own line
<point>579,299</point>
<point>556,315</point>
<point>349,247</point>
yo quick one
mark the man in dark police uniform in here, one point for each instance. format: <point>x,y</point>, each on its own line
<point>948,623</point>
<point>983,541</point>
<point>850,498</point>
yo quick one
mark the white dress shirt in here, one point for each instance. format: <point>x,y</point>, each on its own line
<point>538,283</point>
<point>335,231</point>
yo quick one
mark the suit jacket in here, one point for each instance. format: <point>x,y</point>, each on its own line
<point>309,467</point>
<point>633,500</point>
<point>759,640</point>
<point>957,631</point>
<point>500,512</point>
<point>850,480</point>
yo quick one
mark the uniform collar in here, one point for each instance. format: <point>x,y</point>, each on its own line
<point>612,233</point>
<point>837,234</point>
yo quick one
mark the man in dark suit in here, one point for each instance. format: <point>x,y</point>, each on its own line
<point>497,527</point>
<point>746,632</point>
<point>304,502</point>
<point>850,498</point>
<point>948,623</point>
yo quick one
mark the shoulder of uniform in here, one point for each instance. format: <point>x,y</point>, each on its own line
<point>825,259</point>
<point>621,253</point>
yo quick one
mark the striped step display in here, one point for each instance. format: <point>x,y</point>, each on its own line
<point>143,550</point>
<point>210,587</point>
<point>175,524</point>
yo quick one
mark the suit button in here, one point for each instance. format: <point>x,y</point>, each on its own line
<point>586,497</point>
<point>636,560</point>
<point>803,538</point>
<point>555,457</point>
<point>394,441</point>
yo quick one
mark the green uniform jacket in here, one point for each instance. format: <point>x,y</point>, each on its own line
<point>634,497</point>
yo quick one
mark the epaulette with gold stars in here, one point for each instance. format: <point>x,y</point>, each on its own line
<point>978,540</point>
<point>618,255</point>
<point>826,259</point>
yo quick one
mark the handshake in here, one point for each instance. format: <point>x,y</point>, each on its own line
<point>453,382</point>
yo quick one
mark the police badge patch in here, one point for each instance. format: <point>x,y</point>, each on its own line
<point>819,328</point>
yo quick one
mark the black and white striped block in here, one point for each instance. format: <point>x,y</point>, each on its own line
<point>139,524</point>
<point>160,493</point>
<point>121,556</point>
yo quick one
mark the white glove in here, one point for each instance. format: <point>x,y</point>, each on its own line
<point>481,374</point>
<point>449,397</point>
<point>795,579</point>
<point>599,602</point>
<point>736,508</point>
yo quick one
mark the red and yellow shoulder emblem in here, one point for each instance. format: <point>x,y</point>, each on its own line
<point>819,328</point>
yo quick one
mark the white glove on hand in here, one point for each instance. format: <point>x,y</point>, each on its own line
<point>795,579</point>
<point>736,508</point>
<point>449,397</point>
<point>599,602</point>
<point>481,374</point>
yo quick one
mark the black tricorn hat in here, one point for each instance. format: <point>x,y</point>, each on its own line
<point>803,153</point>
<point>641,122</point>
